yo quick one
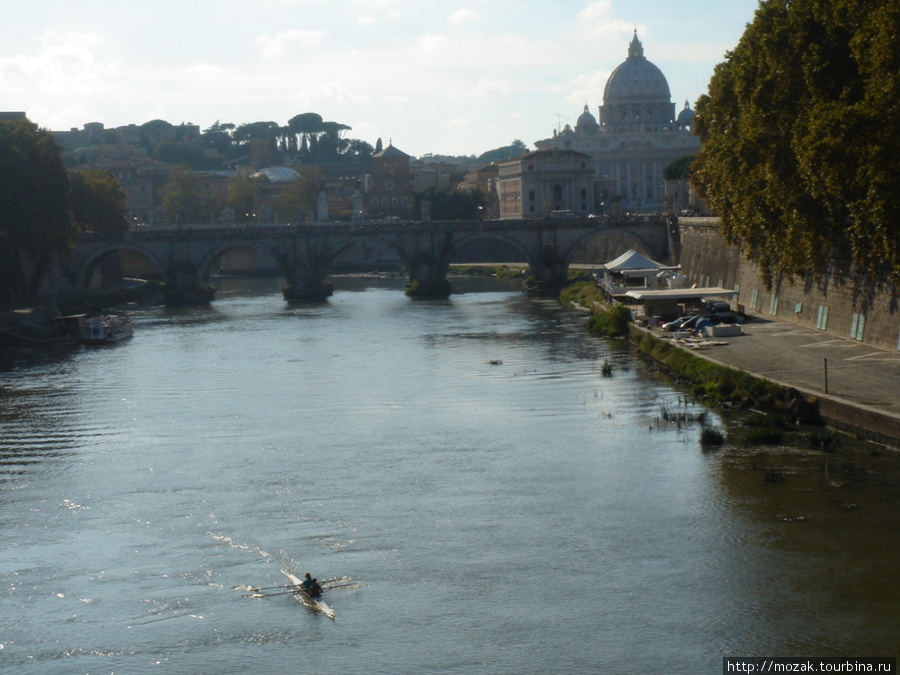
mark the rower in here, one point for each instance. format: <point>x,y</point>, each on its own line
<point>307,582</point>
<point>314,590</point>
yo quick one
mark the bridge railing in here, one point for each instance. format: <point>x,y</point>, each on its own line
<point>253,229</point>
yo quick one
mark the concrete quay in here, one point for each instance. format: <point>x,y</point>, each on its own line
<point>863,383</point>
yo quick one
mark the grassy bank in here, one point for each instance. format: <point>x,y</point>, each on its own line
<point>499,271</point>
<point>605,320</point>
<point>710,382</point>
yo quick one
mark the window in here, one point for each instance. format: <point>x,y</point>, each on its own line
<point>754,297</point>
<point>531,195</point>
<point>773,304</point>
<point>857,325</point>
<point>737,293</point>
<point>798,308</point>
<point>822,318</point>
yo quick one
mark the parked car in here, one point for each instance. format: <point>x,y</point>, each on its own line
<point>718,307</point>
<point>676,324</point>
<point>694,322</point>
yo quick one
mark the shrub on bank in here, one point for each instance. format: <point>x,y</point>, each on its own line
<point>581,293</point>
<point>612,322</point>
<point>763,436</point>
<point>710,436</point>
<point>712,381</point>
<point>822,439</point>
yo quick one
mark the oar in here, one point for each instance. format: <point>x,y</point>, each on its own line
<point>263,588</point>
<point>349,583</point>
<point>269,595</point>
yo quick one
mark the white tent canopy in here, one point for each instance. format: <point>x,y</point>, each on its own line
<point>632,260</point>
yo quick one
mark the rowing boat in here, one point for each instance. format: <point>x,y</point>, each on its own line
<point>315,604</point>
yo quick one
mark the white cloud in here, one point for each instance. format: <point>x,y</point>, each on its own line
<point>460,122</point>
<point>278,45</point>
<point>463,15</point>
<point>205,70</point>
<point>584,89</point>
<point>595,21</point>
<point>485,87</point>
<point>67,64</point>
<point>331,93</point>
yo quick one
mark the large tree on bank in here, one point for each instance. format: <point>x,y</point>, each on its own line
<point>98,201</point>
<point>800,136</point>
<point>35,222</point>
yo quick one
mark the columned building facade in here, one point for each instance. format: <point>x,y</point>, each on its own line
<point>544,183</point>
<point>637,137</point>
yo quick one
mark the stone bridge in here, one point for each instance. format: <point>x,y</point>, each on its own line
<point>186,257</point>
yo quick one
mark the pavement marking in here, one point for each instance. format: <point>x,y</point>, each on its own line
<point>882,358</point>
<point>832,343</point>
<point>790,332</point>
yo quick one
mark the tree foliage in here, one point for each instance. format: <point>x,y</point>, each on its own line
<point>801,137</point>
<point>680,169</point>
<point>185,197</point>
<point>243,191</point>
<point>298,200</point>
<point>34,203</point>
<point>447,204</point>
<point>98,201</point>
<point>501,154</point>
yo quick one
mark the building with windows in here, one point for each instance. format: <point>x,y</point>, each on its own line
<point>544,183</point>
<point>389,188</point>
<point>638,135</point>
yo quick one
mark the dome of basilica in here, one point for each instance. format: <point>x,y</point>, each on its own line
<point>586,123</point>
<point>686,116</point>
<point>637,94</point>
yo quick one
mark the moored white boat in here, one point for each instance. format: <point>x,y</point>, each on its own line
<point>315,604</point>
<point>106,329</point>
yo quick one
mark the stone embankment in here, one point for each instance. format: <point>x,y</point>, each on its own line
<point>854,385</point>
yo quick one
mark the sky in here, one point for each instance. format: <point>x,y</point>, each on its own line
<point>443,77</point>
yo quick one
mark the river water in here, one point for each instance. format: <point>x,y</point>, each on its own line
<point>501,505</point>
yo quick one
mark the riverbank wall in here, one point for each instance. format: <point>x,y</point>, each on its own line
<point>849,306</point>
<point>866,421</point>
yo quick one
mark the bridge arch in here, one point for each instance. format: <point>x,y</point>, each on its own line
<point>365,243</point>
<point>207,264</point>
<point>88,266</point>
<point>511,243</point>
<point>635,241</point>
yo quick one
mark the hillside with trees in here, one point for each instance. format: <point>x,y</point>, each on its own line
<point>801,138</point>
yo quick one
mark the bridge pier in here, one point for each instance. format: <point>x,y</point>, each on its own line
<point>549,273</point>
<point>306,283</point>
<point>428,277</point>
<point>185,287</point>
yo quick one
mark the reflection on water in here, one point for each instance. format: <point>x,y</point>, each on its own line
<point>506,506</point>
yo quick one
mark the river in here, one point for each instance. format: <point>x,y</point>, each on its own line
<point>500,505</point>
